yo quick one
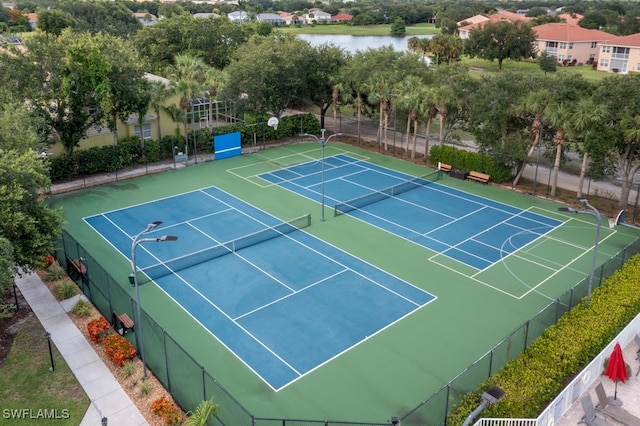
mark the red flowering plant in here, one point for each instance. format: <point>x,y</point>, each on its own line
<point>98,329</point>
<point>167,409</point>
<point>119,349</point>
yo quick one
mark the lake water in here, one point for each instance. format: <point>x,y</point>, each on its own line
<point>352,43</point>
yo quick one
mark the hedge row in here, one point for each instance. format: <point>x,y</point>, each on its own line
<point>130,152</point>
<point>466,161</point>
<point>535,378</point>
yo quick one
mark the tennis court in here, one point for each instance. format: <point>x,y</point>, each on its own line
<point>277,325</point>
<point>472,235</point>
<point>283,301</point>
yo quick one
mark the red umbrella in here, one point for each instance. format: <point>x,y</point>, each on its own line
<point>616,368</point>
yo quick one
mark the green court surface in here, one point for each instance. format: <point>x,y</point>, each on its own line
<point>392,372</point>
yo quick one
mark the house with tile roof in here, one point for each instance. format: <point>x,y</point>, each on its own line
<point>477,21</point>
<point>146,19</point>
<point>569,42</point>
<point>342,17</point>
<point>620,54</point>
<point>571,18</point>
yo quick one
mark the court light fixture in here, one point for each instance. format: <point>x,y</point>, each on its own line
<point>322,141</point>
<point>136,241</point>
<point>592,211</point>
<point>490,396</point>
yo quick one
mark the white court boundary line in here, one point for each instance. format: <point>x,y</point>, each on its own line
<point>260,182</point>
<point>525,249</point>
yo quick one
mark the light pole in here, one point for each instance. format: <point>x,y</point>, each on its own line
<point>535,178</point>
<point>595,213</point>
<point>322,141</point>
<point>193,130</point>
<point>138,240</point>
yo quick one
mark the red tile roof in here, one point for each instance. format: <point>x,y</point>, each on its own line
<point>342,17</point>
<point>496,17</point>
<point>632,40</point>
<point>566,32</point>
<point>571,18</point>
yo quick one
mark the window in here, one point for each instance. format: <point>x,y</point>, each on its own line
<point>570,45</point>
<point>604,63</point>
<point>562,46</point>
<point>638,66</point>
<point>594,44</point>
<point>606,49</point>
<point>146,131</point>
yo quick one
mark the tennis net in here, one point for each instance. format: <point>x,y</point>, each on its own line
<point>182,262</point>
<point>383,194</point>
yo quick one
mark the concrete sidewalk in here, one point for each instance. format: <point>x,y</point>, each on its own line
<point>108,399</point>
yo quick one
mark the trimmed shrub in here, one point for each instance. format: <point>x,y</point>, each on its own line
<point>538,374</point>
<point>467,161</point>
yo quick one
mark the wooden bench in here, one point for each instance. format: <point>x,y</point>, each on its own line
<point>443,167</point>
<point>122,323</point>
<point>76,269</point>
<point>478,177</point>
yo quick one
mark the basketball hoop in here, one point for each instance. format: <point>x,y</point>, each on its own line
<point>273,122</point>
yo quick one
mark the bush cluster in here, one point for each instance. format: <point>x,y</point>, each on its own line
<point>534,378</point>
<point>130,152</point>
<point>119,349</point>
<point>466,161</point>
<point>98,329</point>
<point>167,410</point>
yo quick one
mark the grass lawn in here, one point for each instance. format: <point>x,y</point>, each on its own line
<point>364,30</point>
<point>28,387</point>
<point>480,65</point>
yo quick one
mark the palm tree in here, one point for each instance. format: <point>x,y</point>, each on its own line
<point>177,116</point>
<point>186,78</point>
<point>408,94</point>
<point>583,123</point>
<point>534,104</point>
<point>557,116</point>
<point>443,99</point>
<point>158,94</point>
<point>215,80</point>
<point>377,87</point>
<point>428,108</point>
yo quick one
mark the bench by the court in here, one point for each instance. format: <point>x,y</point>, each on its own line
<point>478,177</point>
<point>77,269</point>
<point>122,323</point>
<point>443,167</point>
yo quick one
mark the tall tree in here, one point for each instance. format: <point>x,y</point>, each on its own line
<point>101,17</point>
<point>619,95</point>
<point>213,40</point>
<point>158,93</point>
<point>323,64</point>
<point>187,78</point>
<point>270,71</point>
<point>444,48</point>
<point>501,40</point>
<point>409,94</point>
<point>378,87</point>
<point>88,78</point>
<point>583,127</point>
<point>28,227</point>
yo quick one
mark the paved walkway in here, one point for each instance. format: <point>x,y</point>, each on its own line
<point>107,397</point>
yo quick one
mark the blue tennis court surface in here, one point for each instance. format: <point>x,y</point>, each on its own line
<point>473,230</point>
<point>283,305</point>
